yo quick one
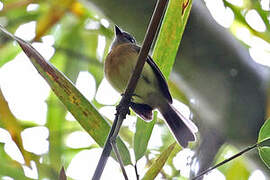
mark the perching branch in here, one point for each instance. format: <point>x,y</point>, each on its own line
<point>259,144</point>
<point>123,107</point>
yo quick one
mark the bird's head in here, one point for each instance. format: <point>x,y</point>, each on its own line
<point>122,37</point>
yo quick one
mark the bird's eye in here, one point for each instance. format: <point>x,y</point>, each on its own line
<point>128,37</point>
<point>131,40</point>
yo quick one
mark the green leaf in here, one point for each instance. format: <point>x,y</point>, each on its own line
<point>45,171</point>
<point>240,20</point>
<point>56,11</point>
<point>176,92</point>
<point>84,112</point>
<point>157,166</point>
<point>170,34</point>
<point>12,125</point>
<point>10,167</point>
<point>8,52</point>
<point>142,136</point>
<point>55,121</point>
<point>70,38</point>
<point>264,150</point>
<point>264,153</point>
<point>237,168</point>
<point>264,133</point>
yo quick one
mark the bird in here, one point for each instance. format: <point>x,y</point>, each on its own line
<point>151,92</point>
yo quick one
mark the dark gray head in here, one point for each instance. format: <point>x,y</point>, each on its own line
<point>122,37</point>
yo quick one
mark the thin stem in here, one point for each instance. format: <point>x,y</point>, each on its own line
<point>123,107</point>
<point>226,160</point>
<point>116,151</point>
<point>114,146</point>
<point>136,171</point>
<point>105,153</point>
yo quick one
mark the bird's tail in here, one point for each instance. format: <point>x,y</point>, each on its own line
<point>182,128</point>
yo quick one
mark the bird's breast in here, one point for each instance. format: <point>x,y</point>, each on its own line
<point>119,66</point>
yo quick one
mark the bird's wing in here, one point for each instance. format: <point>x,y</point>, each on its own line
<point>161,79</point>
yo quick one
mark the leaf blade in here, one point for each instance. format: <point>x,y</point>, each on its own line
<point>170,35</point>
<point>264,150</point>
<point>264,153</point>
<point>264,133</point>
<point>159,163</point>
<point>142,136</point>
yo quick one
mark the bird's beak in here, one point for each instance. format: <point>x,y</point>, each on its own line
<point>117,30</point>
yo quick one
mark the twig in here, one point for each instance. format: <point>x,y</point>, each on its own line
<point>226,160</point>
<point>136,171</point>
<point>123,107</point>
<point>105,153</point>
<point>118,156</point>
<point>113,139</point>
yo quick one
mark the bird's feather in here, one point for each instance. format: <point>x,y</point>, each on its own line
<point>161,79</point>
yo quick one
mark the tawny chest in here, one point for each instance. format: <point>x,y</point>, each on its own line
<point>119,66</point>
